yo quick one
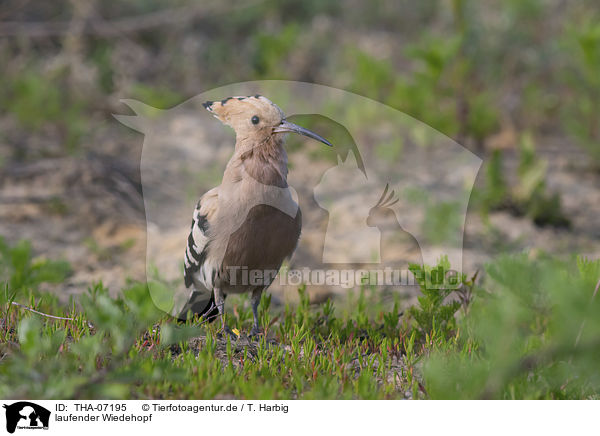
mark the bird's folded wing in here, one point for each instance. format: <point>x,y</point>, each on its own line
<point>201,297</point>
<point>198,239</point>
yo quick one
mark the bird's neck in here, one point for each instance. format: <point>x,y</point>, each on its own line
<point>265,161</point>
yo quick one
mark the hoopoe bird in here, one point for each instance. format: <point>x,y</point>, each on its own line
<point>245,228</point>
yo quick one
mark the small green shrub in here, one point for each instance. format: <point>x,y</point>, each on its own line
<point>37,100</point>
<point>583,105</point>
<point>156,97</point>
<point>494,193</point>
<point>533,330</point>
<point>529,196</point>
<point>19,271</point>
<point>272,50</point>
<point>435,312</point>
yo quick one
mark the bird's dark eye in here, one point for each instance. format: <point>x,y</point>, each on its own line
<point>255,120</point>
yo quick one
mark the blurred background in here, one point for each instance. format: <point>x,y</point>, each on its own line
<point>517,82</point>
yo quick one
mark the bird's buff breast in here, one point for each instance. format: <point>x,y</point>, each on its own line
<point>259,231</point>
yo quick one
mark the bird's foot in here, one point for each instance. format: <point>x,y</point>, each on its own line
<point>256,331</point>
<point>227,331</point>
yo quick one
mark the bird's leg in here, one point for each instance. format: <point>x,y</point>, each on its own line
<point>256,294</point>
<point>220,302</point>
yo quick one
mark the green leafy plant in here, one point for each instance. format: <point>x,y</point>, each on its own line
<point>582,108</point>
<point>529,330</point>
<point>19,271</point>
<point>273,49</point>
<point>494,193</point>
<point>534,326</point>
<point>435,312</point>
<point>36,104</point>
<point>156,97</point>
<point>529,196</point>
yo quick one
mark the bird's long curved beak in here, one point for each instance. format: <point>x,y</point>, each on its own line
<point>286,126</point>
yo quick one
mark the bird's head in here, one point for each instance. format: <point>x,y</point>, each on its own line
<point>256,118</point>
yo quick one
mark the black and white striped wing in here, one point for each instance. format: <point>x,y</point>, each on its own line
<point>196,270</point>
<point>197,247</point>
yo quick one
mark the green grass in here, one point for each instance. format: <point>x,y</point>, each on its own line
<point>529,330</point>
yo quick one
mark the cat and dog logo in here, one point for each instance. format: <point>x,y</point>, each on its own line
<point>26,415</point>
